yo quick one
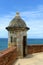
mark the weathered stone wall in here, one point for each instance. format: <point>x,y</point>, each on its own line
<point>8,56</point>
<point>34,49</point>
<point>19,40</point>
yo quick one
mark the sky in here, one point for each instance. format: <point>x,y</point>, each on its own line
<point>31,12</point>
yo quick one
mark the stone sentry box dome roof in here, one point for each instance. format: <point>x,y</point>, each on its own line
<point>17,22</point>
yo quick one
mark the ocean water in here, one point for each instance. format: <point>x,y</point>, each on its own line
<point>4,42</point>
<point>34,41</point>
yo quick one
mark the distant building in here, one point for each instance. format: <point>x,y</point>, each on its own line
<point>17,35</point>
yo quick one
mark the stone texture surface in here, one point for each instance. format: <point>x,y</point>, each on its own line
<point>32,59</point>
<point>19,40</point>
<point>34,49</point>
<point>17,21</point>
<point>8,56</point>
<point>17,29</point>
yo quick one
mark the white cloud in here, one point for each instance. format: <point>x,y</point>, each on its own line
<point>33,19</point>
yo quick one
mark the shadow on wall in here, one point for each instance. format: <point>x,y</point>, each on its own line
<point>28,56</point>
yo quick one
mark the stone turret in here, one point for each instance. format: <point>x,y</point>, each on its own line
<point>17,35</point>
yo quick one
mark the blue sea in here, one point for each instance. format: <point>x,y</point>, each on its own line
<point>4,42</point>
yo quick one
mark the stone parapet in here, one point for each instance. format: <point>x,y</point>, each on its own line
<point>34,49</point>
<point>8,56</point>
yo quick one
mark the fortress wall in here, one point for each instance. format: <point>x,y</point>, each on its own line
<point>34,49</point>
<point>8,56</point>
